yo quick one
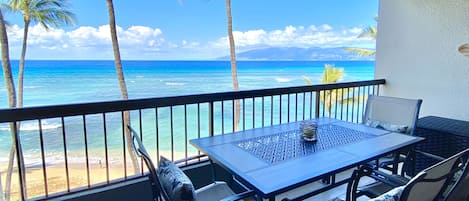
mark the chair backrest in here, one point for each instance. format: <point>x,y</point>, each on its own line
<point>398,111</point>
<point>140,151</point>
<point>438,181</point>
<point>460,191</point>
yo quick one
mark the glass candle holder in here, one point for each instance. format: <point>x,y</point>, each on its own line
<point>309,130</point>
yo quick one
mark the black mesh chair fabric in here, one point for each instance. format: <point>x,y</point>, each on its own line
<point>392,111</point>
<point>438,182</point>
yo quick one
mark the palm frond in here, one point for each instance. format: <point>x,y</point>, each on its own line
<point>331,74</point>
<point>45,12</point>
<point>16,4</point>
<point>351,100</point>
<point>6,7</point>
<point>362,52</point>
<point>370,32</point>
<point>329,98</point>
<point>307,80</point>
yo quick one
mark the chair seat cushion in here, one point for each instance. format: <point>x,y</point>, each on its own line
<point>215,191</point>
<point>392,195</point>
<point>387,126</point>
<point>174,182</point>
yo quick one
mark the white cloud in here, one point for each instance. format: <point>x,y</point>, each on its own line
<point>86,36</point>
<point>84,42</point>
<point>291,36</point>
<point>326,27</point>
<point>142,42</point>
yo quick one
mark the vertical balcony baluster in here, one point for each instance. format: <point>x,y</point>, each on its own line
<point>106,149</point>
<point>64,138</point>
<point>43,158</point>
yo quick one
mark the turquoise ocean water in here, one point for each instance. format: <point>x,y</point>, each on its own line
<point>65,82</point>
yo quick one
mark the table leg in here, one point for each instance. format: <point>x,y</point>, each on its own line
<point>326,180</point>
<point>411,169</point>
<point>395,163</point>
<point>214,174</point>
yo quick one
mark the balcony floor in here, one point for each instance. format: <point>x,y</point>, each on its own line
<point>339,191</point>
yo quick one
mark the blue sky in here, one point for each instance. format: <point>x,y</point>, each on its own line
<point>196,29</point>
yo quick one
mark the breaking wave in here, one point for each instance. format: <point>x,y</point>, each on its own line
<point>174,83</point>
<point>282,80</point>
<point>32,126</point>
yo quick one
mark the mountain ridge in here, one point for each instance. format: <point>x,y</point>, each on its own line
<point>297,53</point>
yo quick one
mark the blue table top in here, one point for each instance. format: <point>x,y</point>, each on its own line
<point>274,159</point>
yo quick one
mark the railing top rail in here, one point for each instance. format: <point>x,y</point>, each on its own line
<point>54,111</point>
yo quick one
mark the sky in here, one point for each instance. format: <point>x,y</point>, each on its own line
<point>196,29</point>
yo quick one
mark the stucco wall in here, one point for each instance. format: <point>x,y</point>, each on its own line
<point>417,54</point>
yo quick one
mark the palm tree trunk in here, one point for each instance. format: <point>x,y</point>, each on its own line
<point>11,157</point>
<point>120,77</point>
<point>11,160</point>
<point>234,73</point>
<point>21,67</point>
<point>1,188</point>
<point>8,77</point>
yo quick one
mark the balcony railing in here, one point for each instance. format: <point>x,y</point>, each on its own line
<point>66,148</point>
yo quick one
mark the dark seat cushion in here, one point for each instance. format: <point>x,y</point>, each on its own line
<point>174,182</point>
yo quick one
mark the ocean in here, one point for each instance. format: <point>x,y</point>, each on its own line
<point>66,82</point>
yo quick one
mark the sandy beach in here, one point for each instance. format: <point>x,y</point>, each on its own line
<point>78,175</point>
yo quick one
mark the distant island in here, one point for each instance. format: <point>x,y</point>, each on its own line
<point>296,53</point>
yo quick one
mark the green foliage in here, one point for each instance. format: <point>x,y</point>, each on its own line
<point>45,12</point>
<point>361,52</point>
<point>329,98</point>
<point>369,32</point>
<point>331,74</point>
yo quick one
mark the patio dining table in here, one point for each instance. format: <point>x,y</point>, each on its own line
<point>275,159</point>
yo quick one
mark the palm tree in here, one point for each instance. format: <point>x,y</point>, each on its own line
<point>369,32</point>
<point>329,98</point>
<point>44,12</point>
<point>234,73</point>
<point>8,78</point>
<point>121,79</point>
<point>47,13</point>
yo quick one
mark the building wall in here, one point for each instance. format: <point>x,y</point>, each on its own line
<point>417,54</point>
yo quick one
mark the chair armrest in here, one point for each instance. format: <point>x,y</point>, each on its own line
<point>367,171</point>
<point>354,180</point>
<point>246,194</point>
<point>386,178</point>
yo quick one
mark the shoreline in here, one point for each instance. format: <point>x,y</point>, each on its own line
<point>77,172</point>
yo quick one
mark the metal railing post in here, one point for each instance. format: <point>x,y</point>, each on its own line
<point>211,124</point>
<point>317,101</point>
<point>19,159</point>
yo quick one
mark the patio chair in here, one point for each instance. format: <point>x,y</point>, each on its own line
<point>169,183</point>
<point>393,114</point>
<point>460,191</point>
<point>438,182</point>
